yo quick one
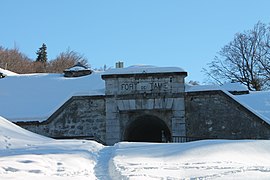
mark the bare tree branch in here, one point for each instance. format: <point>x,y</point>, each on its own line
<point>246,59</point>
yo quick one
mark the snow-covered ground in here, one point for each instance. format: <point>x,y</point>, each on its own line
<point>25,155</point>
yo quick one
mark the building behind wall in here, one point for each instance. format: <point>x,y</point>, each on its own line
<point>145,103</point>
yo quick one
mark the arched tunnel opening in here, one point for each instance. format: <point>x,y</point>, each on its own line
<point>147,129</point>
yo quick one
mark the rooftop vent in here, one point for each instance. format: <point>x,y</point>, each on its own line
<point>119,64</point>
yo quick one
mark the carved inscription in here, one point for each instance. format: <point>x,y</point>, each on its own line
<point>128,86</point>
<point>146,85</point>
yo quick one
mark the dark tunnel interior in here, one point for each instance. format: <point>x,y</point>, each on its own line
<point>147,129</point>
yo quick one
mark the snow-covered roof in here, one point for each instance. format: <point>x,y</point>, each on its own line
<point>256,102</point>
<point>231,87</point>
<point>234,87</point>
<point>138,69</point>
<point>77,67</point>
<point>195,88</point>
<point>259,102</point>
<point>34,97</point>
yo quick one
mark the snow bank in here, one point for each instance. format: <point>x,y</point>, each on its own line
<point>34,97</point>
<point>195,160</point>
<point>13,136</point>
<point>25,155</point>
<point>7,72</point>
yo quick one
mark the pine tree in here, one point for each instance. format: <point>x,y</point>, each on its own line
<point>42,54</point>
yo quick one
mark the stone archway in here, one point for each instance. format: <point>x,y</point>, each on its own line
<point>147,128</point>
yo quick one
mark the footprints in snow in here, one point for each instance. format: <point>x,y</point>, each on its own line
<point>7,144</point>
<point>13,170</point>
<point>60,168</point>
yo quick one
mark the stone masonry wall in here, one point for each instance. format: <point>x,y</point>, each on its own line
<point>214,114</point>
<point>80,116</point>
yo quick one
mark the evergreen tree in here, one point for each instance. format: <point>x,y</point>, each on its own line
<point>42,54</point>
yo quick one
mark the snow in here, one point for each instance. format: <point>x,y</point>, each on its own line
<point>137,69</point>
<point>7,72</point>
<point>258,102</point>
<point>25,155</point>
<point>225,87</point>
<point>196,88</point>
<point>196,160</point>
<point>34,97</point>
<point>76,68</point>
<point>37,96</point>
<point>234,87</point>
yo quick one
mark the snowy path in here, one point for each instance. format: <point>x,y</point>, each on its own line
<point>102,167</point>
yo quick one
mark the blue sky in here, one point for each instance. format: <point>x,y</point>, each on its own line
<point>183,33</point>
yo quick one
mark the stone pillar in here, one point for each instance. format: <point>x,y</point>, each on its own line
<point>178,118</point>
<point>178,109</point>
<point>112,119</point>
<point>112,122</point>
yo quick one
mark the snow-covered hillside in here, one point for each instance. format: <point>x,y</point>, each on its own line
<point>25,155</point>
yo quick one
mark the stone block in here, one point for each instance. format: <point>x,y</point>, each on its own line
<point>179,133</point>
<point>132,104</point>
<point>111,115</point>
<point>178,89</point>
<point>112,122</point>
<point>179,104</point>
<point>168,103</point>
<point>114,129</point>
<point>178,113</point>
<point>179,129</point>
<point>178,120</point>
<point>148,104</point>
<point>157,103</point>
<point>179,79</point>
<point>138,104</point>
<point>120,105</point>
<point>111,106</point>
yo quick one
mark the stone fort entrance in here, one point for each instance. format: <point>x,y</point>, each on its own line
<point>147,128</point>
<point>144,104</point>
